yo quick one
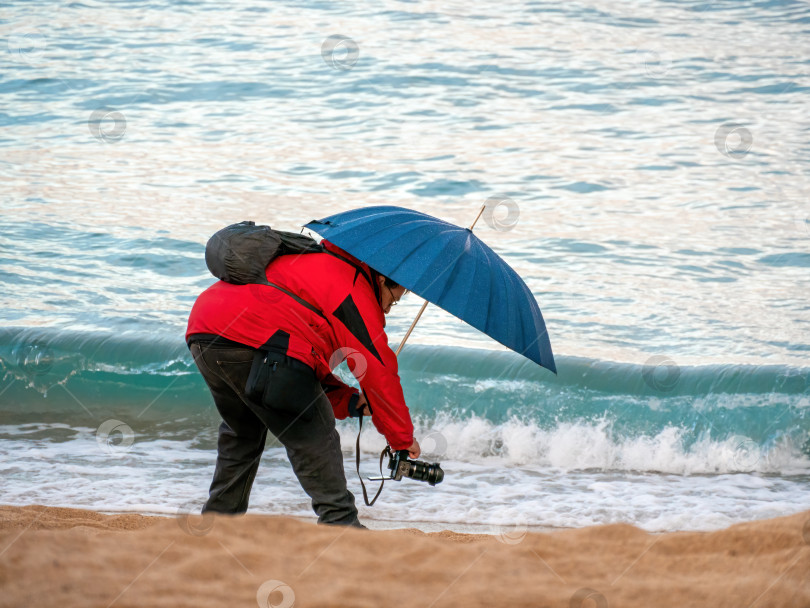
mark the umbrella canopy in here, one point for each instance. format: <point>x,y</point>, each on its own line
<point>448,266</point>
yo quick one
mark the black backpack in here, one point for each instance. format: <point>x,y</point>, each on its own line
<point>239,253</point>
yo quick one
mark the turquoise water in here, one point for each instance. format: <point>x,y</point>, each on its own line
<point>653,160</point>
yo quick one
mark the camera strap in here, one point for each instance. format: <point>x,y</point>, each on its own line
<point>386,451</point>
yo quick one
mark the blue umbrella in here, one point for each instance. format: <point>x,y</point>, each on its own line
<point>448,266</point>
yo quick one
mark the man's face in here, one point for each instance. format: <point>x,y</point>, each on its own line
<point>390,295</point>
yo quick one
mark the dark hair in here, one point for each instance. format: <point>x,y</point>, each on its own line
<point>390,283</point>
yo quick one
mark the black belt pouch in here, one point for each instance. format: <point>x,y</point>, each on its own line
<point>259,374</point>
<point>284,385</point>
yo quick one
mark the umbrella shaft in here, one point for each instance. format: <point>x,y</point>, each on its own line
<point>424,306</point>
<point>475,221</point>
<point>410,329</point>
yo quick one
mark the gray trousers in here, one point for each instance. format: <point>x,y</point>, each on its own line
<point>295,410</point>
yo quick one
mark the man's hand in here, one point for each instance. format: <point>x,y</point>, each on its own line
<point>363,408</point>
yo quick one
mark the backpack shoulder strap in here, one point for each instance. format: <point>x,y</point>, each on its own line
<point>297,298</point>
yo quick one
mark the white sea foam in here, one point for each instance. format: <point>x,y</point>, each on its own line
<point>502,476</point>
<point>593,445</point>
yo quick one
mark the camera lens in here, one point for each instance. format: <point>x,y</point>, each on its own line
<point>423,471</point>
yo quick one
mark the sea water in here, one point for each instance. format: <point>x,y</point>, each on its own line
<point>647,163</point>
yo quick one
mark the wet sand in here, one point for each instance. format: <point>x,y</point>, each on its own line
<point>70,557</point>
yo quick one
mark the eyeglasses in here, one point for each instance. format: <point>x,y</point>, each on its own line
<point>394,301</point>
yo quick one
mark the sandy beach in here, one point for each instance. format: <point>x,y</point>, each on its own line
<point>71,557</point>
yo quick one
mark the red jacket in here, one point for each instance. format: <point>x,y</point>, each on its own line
<point>353,328</point>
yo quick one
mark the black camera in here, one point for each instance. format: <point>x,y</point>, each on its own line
<point>401,465</point>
